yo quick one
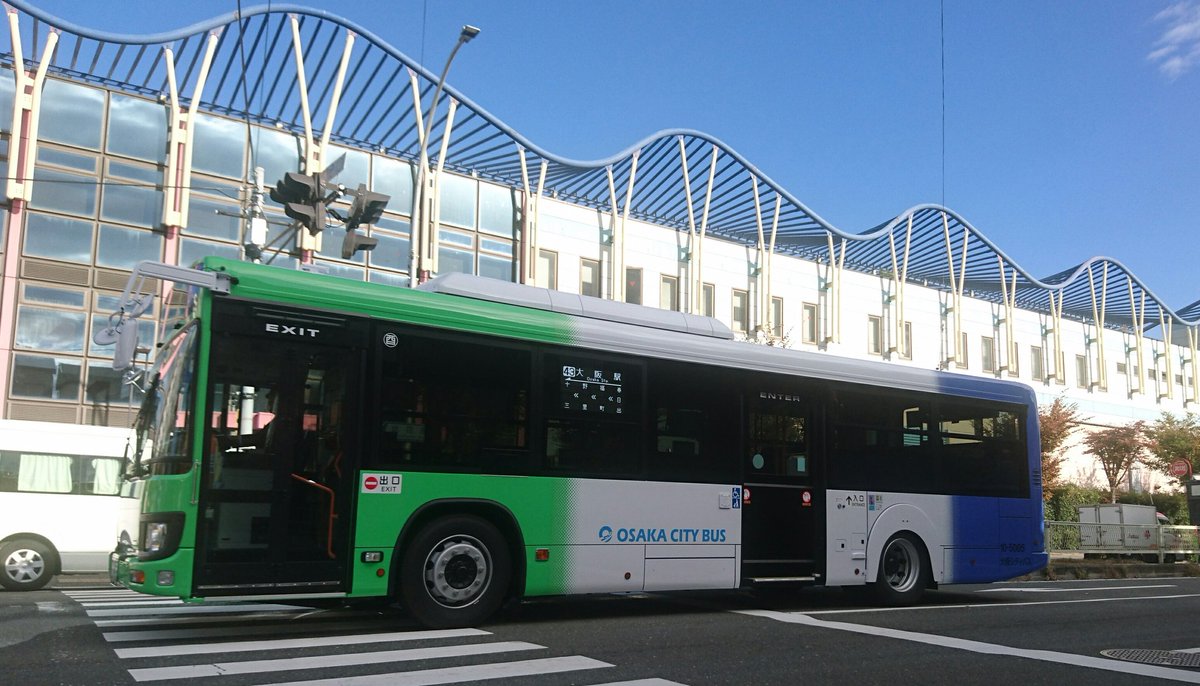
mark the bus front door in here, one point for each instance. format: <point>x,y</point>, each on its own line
<point>780,502</point>
<point>275,499</point>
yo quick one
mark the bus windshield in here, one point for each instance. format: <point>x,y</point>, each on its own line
<point>165,417</point>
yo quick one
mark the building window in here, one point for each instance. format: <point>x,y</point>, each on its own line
<point>393,178</point>
<point>71,114</point>
<point>394,250</point>
<point>589,277</point>
<point>219,146</point>
<point>874,334</point>
<point>809,324</point>
<point>668,292</point>
<point>741,311</point>
<point>497,210</point>
<point>960,359</point>
<point>988,350</point>
<point>906,341</point>
<point>495,258</point>
<point>547,269</point>
<point>456,252</point>
<point>708,297</point>
<point>1037,364</point>
<point>1082,379</point>
<point>456,195</point>
<point>777,317</point>
<point>633,285</point>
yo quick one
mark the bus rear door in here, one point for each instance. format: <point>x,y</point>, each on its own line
<point>781,505</point>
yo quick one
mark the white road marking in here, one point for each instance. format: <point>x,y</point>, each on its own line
<point>274,628</point>
<point>1106,664</point>
<point>1073,589</point>
<point>454,675</point>
<point>130,602</point>
<point>975,606</point>
<point>191,609</point>
<point>97,595</point>
<point>190,620</point>
<point>132,609</point>
<point>324,661</point>
<point>642,682</point>
<point>285,643</point>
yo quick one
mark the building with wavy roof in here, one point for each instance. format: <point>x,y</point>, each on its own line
<point>123,148</point>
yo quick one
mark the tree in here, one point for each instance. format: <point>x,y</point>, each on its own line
<point>1056,423</point>
<point>1174,438</point>
<point>1118,449</point>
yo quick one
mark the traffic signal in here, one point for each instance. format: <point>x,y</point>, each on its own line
<point>302,197</point>
<point>366,208</point>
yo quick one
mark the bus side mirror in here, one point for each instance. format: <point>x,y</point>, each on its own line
<point>126,348</point>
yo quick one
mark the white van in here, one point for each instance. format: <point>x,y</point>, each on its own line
<point>61,508</point>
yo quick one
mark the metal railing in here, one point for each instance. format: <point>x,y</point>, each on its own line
<point>1150,543</point>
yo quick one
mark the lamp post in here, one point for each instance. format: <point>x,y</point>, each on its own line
<point>422,231</point>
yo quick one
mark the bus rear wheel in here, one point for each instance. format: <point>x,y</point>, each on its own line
<point>455,573</point>
<point>27,565</point>
<point>904,571</point>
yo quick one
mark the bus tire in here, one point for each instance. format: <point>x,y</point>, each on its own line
<point>27,565</point>
<point>455,572</point>
<point>904,571</point>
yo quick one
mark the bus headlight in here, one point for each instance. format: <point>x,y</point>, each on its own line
<point>160,534</point>
<point>156,537</point>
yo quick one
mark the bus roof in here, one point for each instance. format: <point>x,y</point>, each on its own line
<point>523,312</point>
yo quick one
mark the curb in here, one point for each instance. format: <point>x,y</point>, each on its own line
<point>1112,569</point>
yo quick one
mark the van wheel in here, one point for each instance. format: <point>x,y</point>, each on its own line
<point>455,572</point>
<point>904,571</point>
<point>28,565</point>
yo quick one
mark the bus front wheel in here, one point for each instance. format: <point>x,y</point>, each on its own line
<point>904,571</point>
<point>28,565</point>
<point>455,572</point>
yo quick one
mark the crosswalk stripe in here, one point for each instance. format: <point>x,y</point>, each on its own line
<point>114,593</point>
<point>191,609</point>
<point>453,675</point>
<point>191,620</point>
<point>274,628</point>
<point>642,682</point>
<point>324,661</point>
<point>130,603</point>
<point>284,643</point>
<point>137,617</point>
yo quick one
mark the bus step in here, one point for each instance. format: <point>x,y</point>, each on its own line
<point>781,579</point>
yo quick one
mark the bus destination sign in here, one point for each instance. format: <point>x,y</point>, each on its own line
<point>591,390</point>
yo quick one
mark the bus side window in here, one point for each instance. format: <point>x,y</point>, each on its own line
<point>448,404</point>
<point>593,415</point>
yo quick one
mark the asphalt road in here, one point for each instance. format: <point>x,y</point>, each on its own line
<point>1067,632</point>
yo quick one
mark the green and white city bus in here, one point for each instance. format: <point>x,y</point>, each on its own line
<point>310,438</point>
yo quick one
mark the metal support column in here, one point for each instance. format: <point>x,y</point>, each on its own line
<point>896,296</point>
<point>956,289</point>
<point>22,154</point>
<point>699,261</point>
<point>1099,306</point>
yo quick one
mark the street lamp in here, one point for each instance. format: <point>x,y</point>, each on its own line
<point>423,235</point>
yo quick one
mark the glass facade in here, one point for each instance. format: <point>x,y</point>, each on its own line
<point>97,209</point>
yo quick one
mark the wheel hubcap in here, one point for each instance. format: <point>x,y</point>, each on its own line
<point>457,571</point>
<point>901,565</point>
<point>24,565</point>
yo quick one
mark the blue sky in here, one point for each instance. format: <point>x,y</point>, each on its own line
<point>1070,126</point>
